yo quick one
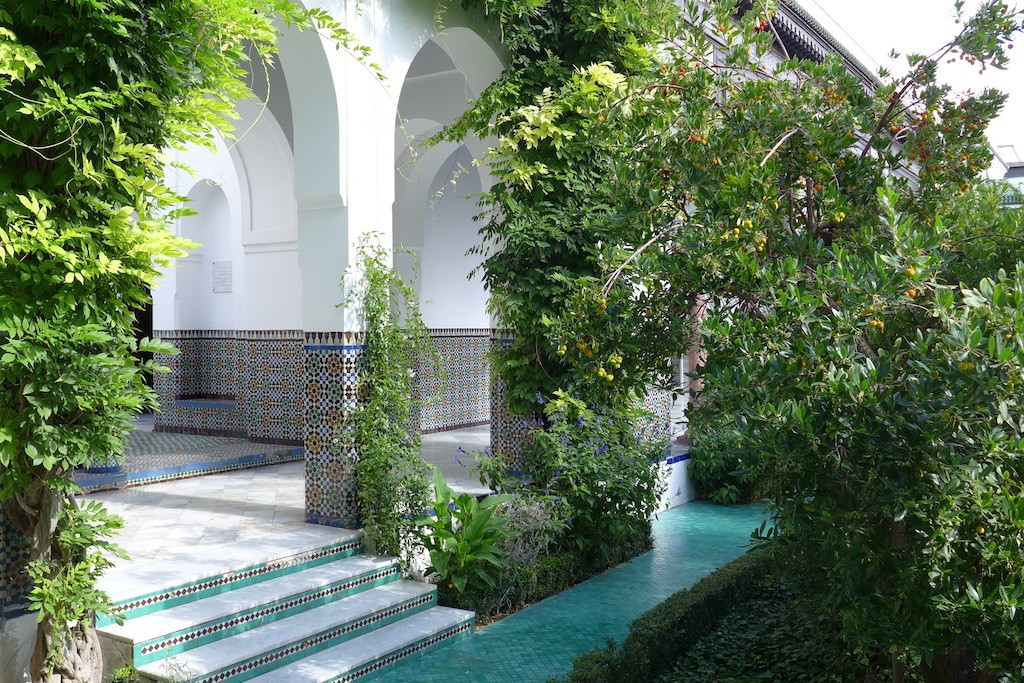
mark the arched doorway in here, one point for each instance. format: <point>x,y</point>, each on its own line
<point>433,221</point>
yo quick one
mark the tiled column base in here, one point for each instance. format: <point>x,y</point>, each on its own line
<point>508,432</point>
<point>15,581</point>
<point>332,365</point>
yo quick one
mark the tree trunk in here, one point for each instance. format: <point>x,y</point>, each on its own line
<point>80,658</point>
<point>957,664</point>
<point>34,512</point>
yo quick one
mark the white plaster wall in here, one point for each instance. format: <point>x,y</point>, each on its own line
<point>298,217</point>
<point>397,30</point>
<point>271,277</point>
<point>212,172</point>
<point>317,75</point>
<point>449,298</point>
<point>17,639</point>
<point>679,488</point>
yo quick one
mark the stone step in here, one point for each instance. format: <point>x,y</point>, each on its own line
<point>143,588</point>
<point>263,650</point>
<point>362,657</point>
<point>177,629</point>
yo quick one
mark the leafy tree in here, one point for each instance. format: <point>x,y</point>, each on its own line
<point>552,219</point>
<point>860,295</point>
<point>92,92</point>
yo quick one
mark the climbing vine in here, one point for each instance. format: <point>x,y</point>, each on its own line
<point>552,218</point>
<point>381,432</point>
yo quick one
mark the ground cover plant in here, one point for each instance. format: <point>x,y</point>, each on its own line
<point>92,92</point>
<point>778,634</point>
<point>858,295</point>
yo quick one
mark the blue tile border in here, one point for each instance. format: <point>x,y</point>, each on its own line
<point>313,518</point>
<point>92,483</point>
<point>211,403</point>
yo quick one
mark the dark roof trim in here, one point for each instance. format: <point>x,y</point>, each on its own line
<point>803,36</point>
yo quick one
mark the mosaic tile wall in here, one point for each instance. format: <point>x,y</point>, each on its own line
<point>271,397</point>
<point>508,432</point>
<point>332,362</point>
<point>463,385</point>
<point>207,367</point>
<point>659,402</point>
<point>260,371</point>
<point>15,582</point>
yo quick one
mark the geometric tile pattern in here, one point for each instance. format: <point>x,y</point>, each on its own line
<point>204,367</point>
<point>271,393</point>
<point>459,394</point>
<point>181,595</point>
<point>351,629</point>
<point>256,374</point>
<point>508,432</point>
<point>658,427</point>
<point>332,367</point>
<point>14,581</point>
<point>250,618</point>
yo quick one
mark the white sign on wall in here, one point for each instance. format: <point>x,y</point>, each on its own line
<point>222,277</point>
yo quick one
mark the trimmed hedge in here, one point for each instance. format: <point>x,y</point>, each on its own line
<point>661,635</point>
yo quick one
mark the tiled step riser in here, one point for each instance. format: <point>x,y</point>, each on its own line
<point>372,669</point>
<point>202,634</point>
<point>243,671</point>
<point>190,592</point>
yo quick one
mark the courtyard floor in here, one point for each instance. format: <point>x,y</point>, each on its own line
<point>175,517</point>
<point>152,457</point>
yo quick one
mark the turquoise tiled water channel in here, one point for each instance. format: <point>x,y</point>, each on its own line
<point>541,641</point>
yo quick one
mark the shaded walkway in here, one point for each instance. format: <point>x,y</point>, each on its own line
<point>541,641</point>
<point>160,456</point>
<point>151,457</point>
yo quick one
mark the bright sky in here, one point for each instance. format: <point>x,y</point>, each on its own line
<point>871,28</point>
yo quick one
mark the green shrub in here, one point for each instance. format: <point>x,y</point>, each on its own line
<point>125,674</point>
<point>665,632</point>
<point>780,634</point>
<point>720,466</point>
<point>462,537</point>
<point>602,473</point>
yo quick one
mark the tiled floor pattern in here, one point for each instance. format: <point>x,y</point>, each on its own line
<point>176,516</point>
<point>442,449</point>
<point>540,642</point>
<point>155,456</point>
